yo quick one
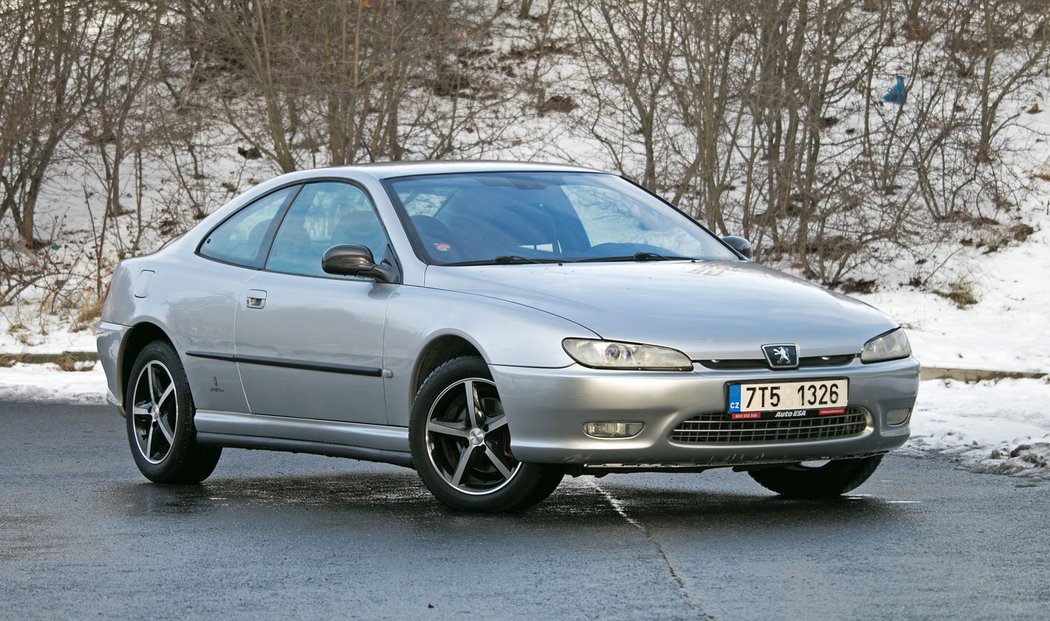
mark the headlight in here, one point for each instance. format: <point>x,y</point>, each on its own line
<point>614,355</point>
<point>889,346</point>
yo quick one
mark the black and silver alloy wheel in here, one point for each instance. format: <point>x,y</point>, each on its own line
<point>154,412</point>
<point>461,444</point>
<point>467,438</point>
<point>159,412</point>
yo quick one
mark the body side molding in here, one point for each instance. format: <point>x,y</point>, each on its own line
<point>290,364</point>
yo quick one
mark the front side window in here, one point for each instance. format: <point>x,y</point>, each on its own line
<point>324,215</point>
<point>241,238</point>
<point>521,217</point>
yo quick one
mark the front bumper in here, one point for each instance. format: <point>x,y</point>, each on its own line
<point>547,409</point>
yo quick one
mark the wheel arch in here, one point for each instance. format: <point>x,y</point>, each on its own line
<point>435,353</point>
<point>139,336</point>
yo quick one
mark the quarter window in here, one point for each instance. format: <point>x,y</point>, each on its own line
<point>241,238</point>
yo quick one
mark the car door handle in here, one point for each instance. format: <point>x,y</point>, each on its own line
<point>256,298</point>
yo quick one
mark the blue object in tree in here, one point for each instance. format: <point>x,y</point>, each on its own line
<point>898,93</point>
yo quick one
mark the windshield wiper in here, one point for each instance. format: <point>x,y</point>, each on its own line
<point>506,259</point>
<point>638,256</point>
<point>512,258</point>
<point>650,256</point>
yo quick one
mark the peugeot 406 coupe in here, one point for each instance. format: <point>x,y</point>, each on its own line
<point>494,326</point>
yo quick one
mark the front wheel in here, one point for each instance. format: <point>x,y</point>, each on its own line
<point>832,479</point>
<point>159,411</point>
<point>461,443</point>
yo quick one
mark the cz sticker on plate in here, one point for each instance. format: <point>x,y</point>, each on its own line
<point>808,398</point>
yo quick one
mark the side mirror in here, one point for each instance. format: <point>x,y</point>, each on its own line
<point>354,260</point>
<point>741,245</point>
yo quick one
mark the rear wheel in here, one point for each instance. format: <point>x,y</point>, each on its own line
<point>461,443</point>
<point>831,479</point>
<point>159,411</point>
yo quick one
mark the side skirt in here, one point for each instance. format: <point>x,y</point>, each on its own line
<point>298,435</point>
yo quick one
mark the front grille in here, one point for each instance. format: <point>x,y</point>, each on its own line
<point>717,428</point>
<point>758,363</point>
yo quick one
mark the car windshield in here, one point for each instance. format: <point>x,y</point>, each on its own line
<point>537,217</point>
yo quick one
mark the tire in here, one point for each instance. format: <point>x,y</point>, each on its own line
<point>461,443</point>
<point>813,482</point>
<point>159,414</point>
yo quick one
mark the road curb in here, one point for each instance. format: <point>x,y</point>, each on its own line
<point>7,360</point>
<point>975,375</point>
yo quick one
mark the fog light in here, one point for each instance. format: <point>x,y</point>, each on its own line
<point>612,429</point>
<point>897,417</point>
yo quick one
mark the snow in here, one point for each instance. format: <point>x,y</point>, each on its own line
<point>1005,330</point>
<point>46,382</point>
<point>982,423</point>
<point>43,336</point>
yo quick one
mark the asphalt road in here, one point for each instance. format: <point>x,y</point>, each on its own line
<point>273,535</point>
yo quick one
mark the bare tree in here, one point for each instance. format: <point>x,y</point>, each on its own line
<point>771,119</point>
<point>122,120</point>
<point>630,50</point>
<point>708,85</point>
<point>46,65</point>
<point>1012,48</point>
<point>347,79</point>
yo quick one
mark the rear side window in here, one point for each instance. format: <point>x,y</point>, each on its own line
<point>241,238</point>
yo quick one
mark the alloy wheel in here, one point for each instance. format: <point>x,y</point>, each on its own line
<point>467,438</point>
<point>154,412</point>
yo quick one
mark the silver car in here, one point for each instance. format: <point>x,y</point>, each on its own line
<point>494,326</point>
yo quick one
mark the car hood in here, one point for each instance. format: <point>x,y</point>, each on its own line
<point>709,309</point>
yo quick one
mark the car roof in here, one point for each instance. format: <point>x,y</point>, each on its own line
<point>387,170</point>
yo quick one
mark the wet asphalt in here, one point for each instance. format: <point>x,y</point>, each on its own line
<point>272,535</point>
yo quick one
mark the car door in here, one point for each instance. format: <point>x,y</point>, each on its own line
<point>310,344</point>
<point>203,308</point>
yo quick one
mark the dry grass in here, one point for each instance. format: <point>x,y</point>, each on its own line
<point>70,362</point>
<point>90,309</point>
<point>66,363</point>
<point>959,292</point>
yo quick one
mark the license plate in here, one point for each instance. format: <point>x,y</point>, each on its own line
<point>776,396</point>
